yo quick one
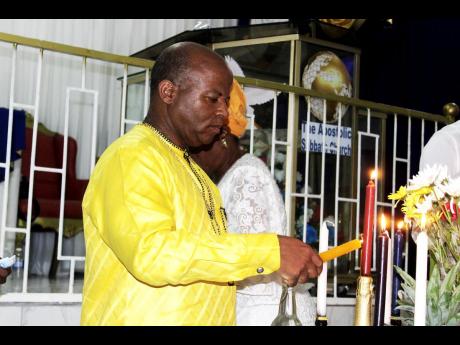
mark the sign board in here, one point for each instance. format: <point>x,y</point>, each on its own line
<point>315,134</point>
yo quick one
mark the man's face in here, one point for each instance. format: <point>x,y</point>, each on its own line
<point>200,107</point>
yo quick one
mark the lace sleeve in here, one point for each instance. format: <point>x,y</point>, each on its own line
<point>250,202</point>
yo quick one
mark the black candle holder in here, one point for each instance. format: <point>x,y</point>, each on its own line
<point>321,321</point>
<point>395,322</point>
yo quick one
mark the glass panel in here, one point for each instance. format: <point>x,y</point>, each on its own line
<point>217,35</point>
<point>262,61</point>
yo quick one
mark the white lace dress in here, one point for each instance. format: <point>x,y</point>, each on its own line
<point>253,204</point>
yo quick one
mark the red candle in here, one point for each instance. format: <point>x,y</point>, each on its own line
<point>366,253</point>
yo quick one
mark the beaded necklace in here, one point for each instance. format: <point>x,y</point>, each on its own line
<point>203,187</point>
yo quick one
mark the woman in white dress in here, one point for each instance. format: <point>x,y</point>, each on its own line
<point>253,204</point>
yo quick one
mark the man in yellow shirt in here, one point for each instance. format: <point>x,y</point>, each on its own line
<point>157,249</point>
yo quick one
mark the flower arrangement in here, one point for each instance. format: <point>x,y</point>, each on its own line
<point>434,193</point>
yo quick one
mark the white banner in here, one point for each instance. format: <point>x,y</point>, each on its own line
<point>316,132</point>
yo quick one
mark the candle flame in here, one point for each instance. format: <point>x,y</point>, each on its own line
<point>400,225</point>
<point>383,222</point>
<point>374,174</point>
<point>423,222</point>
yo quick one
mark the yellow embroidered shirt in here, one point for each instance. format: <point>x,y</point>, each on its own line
<point>152,254</point>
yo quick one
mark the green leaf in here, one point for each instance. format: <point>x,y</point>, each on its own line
<point>454,306</point>
<point>447,309</point>
<point>456,295</point>
<point>434,286</point>
<point>407,278</point>
<point>448,283</point>
<point>409,292</point>
<point>454,321</point>
<point>408,308</point>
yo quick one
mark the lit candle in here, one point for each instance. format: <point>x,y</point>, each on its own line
<point>343,249</point>
<point>398,249</point>
<point>366,254</point>
<point>382,260</point>
<point>389,283</point>
<point>321,294</point>
<point>420,275</point>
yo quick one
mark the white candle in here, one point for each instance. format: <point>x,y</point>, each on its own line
<point>322,278</point>
<point>420,276</point>
<point>388,291</point>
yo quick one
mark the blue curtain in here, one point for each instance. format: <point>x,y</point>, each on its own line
<point>18,139</point>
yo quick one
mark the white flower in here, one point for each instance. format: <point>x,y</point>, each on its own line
<point>452,187</point>
<point>437,192</point>
<point>431,175</point>
<point>426,205</point>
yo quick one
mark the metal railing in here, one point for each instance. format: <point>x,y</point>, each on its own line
<point>41,48</point>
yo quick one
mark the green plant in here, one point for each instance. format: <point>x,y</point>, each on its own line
<point>443,298</point>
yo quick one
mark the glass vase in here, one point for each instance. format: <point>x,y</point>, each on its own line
<point>283,318</point>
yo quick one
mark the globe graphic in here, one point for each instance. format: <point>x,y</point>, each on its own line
<point>326,73</point>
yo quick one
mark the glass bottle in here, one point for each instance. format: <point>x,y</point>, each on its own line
<point>283,318</point>
<point>19,263</point>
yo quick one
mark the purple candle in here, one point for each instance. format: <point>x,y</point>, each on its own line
<point>399,242</point>
<point>383,241</point>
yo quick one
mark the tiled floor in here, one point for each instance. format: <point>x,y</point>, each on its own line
<point>42,284</point>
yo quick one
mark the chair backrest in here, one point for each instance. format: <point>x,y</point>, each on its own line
<point>49,154</point>
<point>71,155</point>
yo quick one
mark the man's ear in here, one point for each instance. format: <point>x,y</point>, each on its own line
<point>167,91</point>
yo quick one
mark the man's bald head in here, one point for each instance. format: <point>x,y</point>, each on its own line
<point>175,61</point>
<point>190,91</point>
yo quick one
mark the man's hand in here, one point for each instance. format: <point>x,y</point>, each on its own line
<point>299,261</point>
<point>4,272</point>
